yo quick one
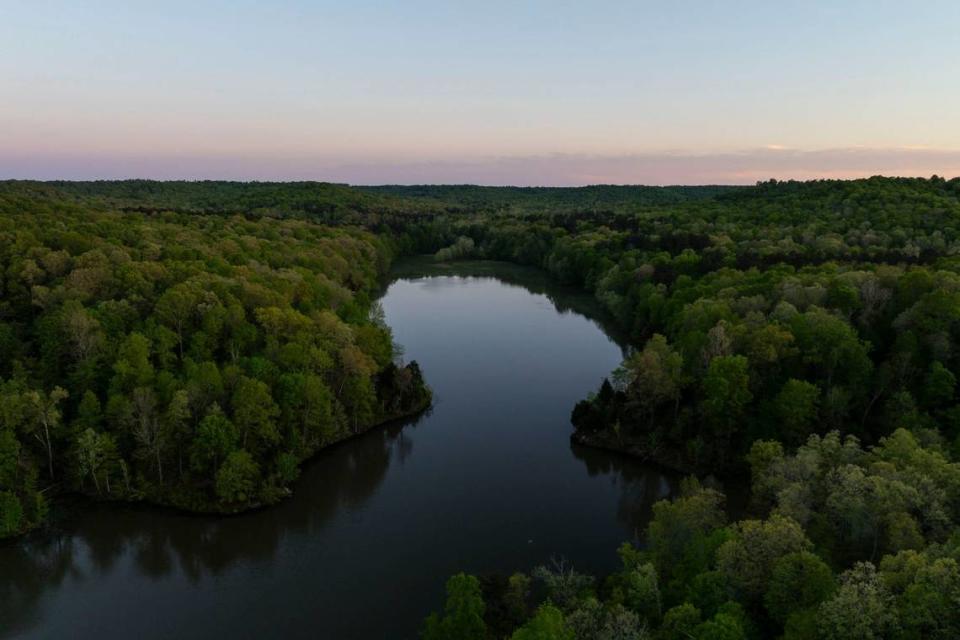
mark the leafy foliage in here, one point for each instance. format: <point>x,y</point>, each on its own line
<point>157,346</point>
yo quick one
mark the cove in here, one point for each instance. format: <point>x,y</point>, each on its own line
<point>486,481</point>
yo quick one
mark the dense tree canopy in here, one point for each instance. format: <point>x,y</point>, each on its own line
<point>192,343</point>
<point>189,358</point>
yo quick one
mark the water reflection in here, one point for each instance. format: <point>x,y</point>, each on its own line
<point>564,299</point>
<point>158,542</point>
<point>639,487</point>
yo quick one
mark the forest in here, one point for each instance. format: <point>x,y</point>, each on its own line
<point>191,343</point>
<point>183,358</point>
<point>801,335</point>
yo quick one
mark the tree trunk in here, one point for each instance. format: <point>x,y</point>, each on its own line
<point>96,483</point>
<point>46,434</point>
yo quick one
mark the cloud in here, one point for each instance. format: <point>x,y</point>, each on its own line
<point>667,167</point>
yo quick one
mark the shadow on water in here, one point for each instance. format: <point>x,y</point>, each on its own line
<point>161,541</point>
<point>640,486</point>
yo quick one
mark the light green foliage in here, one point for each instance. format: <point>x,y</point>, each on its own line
<point>44,419</point>
<point>123,332</point>
<point>254,413</point>
<point>655,374</point>
<point>516,597</point>
<point>861,609</point>
<point>216,438</point>
<point>929,594</point>
<point>799,581</point>
<point>288,469</point>
<point>763,453</point>
<point>9,454</point>
<point>464,247</point>
<point>720,627</point>
<point>11,514</point>
<point>638,590</point>
<point>132,367</point>
<point>748,559</point>
<point>462,617</point>
<point>89,412</point>
<point>238,477</point>
<point>679,623</point>
<point>547,624</point>
<point>708,591</point>
<point>679,525</point>
<point>565,586</point>
<point>593,621</point>
<point>95,454</point>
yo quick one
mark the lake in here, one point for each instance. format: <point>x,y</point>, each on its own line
<point>486,481</point>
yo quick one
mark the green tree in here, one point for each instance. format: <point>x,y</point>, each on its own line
<point>722,626</point>
<point>655,375</point>
<point>799,581</point>
<point>9,457</point>
<point>637,588</point>
<point>45,418</point>
<point>683,523</point>
<point>796,410</point>
<point>726,390</point>
<point>547,624</point>
<point>861,609</point>
<point>939,385</point>
<point>91,454</point>
<point>132,367</point>
<point>930,606</point>
<point>148,429</point>
<point>255,413</point>
<point>176,423</point>
<point>748,559</point>
<point>216,438</point>
<point>11,514</point>
<point>463,614</point>
<point>238,477</point>
<point>516,596</point>
<point>89,412</point>
<point>679,623</point>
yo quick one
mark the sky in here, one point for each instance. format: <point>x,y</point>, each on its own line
<point>487,92</point>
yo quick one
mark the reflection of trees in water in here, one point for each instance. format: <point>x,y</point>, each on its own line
<point>157,541</point>
<point>26,572</point>
<point>564,298</point>
<point>641,485</point>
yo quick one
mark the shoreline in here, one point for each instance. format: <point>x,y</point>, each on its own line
<point>208,510</point>
<point>665,458</point>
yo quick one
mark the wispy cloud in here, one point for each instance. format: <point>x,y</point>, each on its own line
<point>667,167</point>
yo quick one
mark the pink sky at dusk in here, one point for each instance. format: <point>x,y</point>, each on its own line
<point>491,93</point>
<point>745,167</point>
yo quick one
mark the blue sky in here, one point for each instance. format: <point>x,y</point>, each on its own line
<point>494,92</point>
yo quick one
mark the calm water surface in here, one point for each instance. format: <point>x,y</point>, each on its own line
<point>486,481</point>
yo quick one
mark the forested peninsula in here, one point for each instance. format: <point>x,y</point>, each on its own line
<point>184,357</point>
<point>190,343</point>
